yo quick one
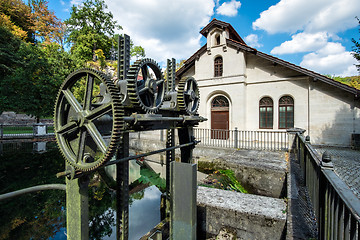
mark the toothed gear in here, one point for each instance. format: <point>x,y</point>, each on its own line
<point>146,90</point>
<point>188,96</point>
<point>87,129</point>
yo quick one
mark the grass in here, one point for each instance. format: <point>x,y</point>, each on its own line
<point>17,130</point>
<point>23,129</point>
<point>224,179</point>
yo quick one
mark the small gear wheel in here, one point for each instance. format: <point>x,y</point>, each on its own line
<point>188,96</point>
<point>88,119</point>
<point>146,86</point>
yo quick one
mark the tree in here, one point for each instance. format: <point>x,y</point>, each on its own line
<point>15,16</point>
<point>137,51</point>
<point>35,77</point>
<point>91,28</point>
<point>356,48</point>
<point>9,46</point>
<point>46,26</point>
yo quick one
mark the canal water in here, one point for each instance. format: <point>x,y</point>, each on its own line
<point>42,215</point>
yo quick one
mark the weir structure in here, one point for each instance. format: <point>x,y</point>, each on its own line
<point>93,117</point>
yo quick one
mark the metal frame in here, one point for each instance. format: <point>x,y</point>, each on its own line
<point>169,119</point>
<point>336,207</point>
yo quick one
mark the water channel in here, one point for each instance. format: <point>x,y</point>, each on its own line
<point>42,215</point>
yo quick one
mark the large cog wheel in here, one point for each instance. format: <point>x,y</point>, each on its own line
<point>146,86</point>
<point>188,96</point>
<point>88,125</point>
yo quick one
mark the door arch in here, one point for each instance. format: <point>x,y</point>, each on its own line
<point>220,118</point>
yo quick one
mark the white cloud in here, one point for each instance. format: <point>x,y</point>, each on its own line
<point>302,42</point>
<point>332,59</point>
<point>164,28</point>
<point>229,9</point>
<point>309,15</point>
<point>75,2</point>
<point>253,40</point>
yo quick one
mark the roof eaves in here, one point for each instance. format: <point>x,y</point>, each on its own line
<point>314,75</point>
<point>190,61</point>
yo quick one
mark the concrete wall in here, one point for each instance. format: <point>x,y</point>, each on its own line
<point>334,115</point>
<point>247,216</point>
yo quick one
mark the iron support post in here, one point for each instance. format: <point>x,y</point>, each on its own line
<point>122,190</point>
<point>77,208</point>
<point>186,135</point>
<point>236,138</point>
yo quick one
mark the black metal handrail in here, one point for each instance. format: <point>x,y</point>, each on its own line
<point>336,207</point>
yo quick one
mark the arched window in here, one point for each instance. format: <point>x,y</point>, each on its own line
<point>220,118</point>
<point>218,67</point>
<point>286,112</point>
<point>266,113</point>
<point>220,102</point>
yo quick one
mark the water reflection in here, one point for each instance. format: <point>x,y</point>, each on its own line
<point>42,215</point>
<point>144,214</point>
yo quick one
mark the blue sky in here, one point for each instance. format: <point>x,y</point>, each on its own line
<point>315,34</point>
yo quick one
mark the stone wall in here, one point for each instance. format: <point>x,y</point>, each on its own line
<point>12,118</point>
<point>246,216</point>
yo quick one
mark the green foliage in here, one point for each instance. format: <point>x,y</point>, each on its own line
<point>149,176</point>
<point>224,179</point>
<point>233,182</point>
<point>90,27</point>
<point>9,46</point>
<point>32,22</point>
<point>101,57</point>
<point>356,48</point>
<point>32,83</point>
<point>353,81</point>
<point>137,51</point>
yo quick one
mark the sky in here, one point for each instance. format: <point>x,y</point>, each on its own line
<point>314,34</point>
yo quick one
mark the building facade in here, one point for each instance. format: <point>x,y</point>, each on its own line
<point>243,88</point>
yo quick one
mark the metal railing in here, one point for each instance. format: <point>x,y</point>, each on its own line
<point>25,131</point>
<point>257,140</point>
<point>336,207</point>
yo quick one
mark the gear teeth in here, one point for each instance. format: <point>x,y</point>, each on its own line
<point>136,100</point>
<point>183,105</point>
<point>118,120</point>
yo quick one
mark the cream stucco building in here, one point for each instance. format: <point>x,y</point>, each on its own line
<point>243,88</point>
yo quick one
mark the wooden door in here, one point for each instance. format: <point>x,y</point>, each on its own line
<point>219,124</point>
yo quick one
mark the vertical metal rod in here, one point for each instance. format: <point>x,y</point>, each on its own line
<point>353,228</point>
<point>332,214</point>
<point>327,212</point>
<point>236,138</point>
<point>341,220</point>
<point>322,206</point>
<point>170,156</point>
<point>122,190</point>
<point>346,224</point>
<point>336,215</point>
